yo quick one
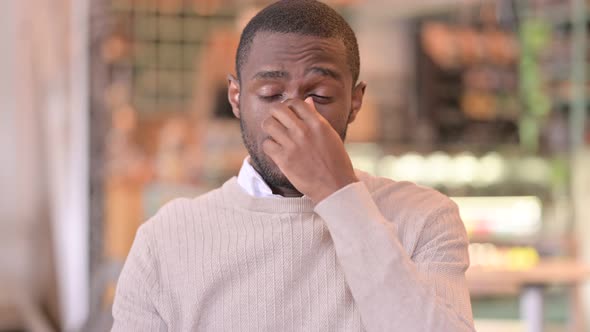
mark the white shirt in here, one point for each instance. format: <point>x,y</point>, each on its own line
<point>252,182</point>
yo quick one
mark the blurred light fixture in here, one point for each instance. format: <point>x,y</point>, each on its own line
<point>501,216</point>
<point>410,167</point>
<point>465,166</point>
<point>492,169</point>
<point>439,168</point>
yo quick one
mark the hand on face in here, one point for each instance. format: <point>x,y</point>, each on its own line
<point>306,148</point>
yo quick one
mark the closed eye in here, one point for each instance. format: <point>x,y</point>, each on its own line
<point>270,99</point>
<point>321,99</point>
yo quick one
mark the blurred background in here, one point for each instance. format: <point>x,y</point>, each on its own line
<point>110,108</point>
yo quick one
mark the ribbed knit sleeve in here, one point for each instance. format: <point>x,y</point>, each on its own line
<point>393,289</point>
<point>134,309</point>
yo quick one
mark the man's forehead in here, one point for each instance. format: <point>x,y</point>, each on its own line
<point>285,74</point>
<point>279,55</point>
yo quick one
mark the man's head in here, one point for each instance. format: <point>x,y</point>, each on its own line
<point>294,49</point>
<point>302,17</point>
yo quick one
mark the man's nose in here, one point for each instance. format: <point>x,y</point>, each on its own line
<point>293,95</point>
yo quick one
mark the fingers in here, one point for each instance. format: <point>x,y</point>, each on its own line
<point>276,131</point>
<point>271,148</point>
<point>291,122</point>
<point>287,117</point>
<point>305,110</point>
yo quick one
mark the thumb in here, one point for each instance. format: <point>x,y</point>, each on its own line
<point>309,101</point>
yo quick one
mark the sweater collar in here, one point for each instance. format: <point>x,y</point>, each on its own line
<point>252,182</point>
<point>239,197</point>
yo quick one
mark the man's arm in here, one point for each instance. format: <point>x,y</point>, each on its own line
<point>134,308</point>
<point>392,291</point>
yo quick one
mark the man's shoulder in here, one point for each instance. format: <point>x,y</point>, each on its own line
<point>414,209</point>
<point>405,197</point>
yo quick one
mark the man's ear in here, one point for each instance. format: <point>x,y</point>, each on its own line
<point>233,94</point>
<point>357,100</point>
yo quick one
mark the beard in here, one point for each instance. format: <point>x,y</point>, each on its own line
<point>268,170</point>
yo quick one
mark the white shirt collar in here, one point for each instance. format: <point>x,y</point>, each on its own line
<point>252,182</point>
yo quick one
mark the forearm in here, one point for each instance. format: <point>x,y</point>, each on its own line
<point>389,290</point>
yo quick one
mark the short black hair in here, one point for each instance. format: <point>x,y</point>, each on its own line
<point>305,17</point>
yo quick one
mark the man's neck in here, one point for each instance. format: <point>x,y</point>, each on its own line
<point>285,191</point>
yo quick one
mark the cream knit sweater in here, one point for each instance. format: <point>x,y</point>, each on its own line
<point>377,255</point>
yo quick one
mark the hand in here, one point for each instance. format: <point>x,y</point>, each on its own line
<point>306,148</point>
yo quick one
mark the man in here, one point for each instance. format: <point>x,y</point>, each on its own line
<point>299,241</point>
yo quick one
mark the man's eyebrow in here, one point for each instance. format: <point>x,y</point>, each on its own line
<point>325,72</point>
<point>271,74</point>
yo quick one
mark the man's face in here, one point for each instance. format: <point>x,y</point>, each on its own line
<point>288,66</point>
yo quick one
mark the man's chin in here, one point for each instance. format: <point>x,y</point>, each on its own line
<point>270,173</point>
